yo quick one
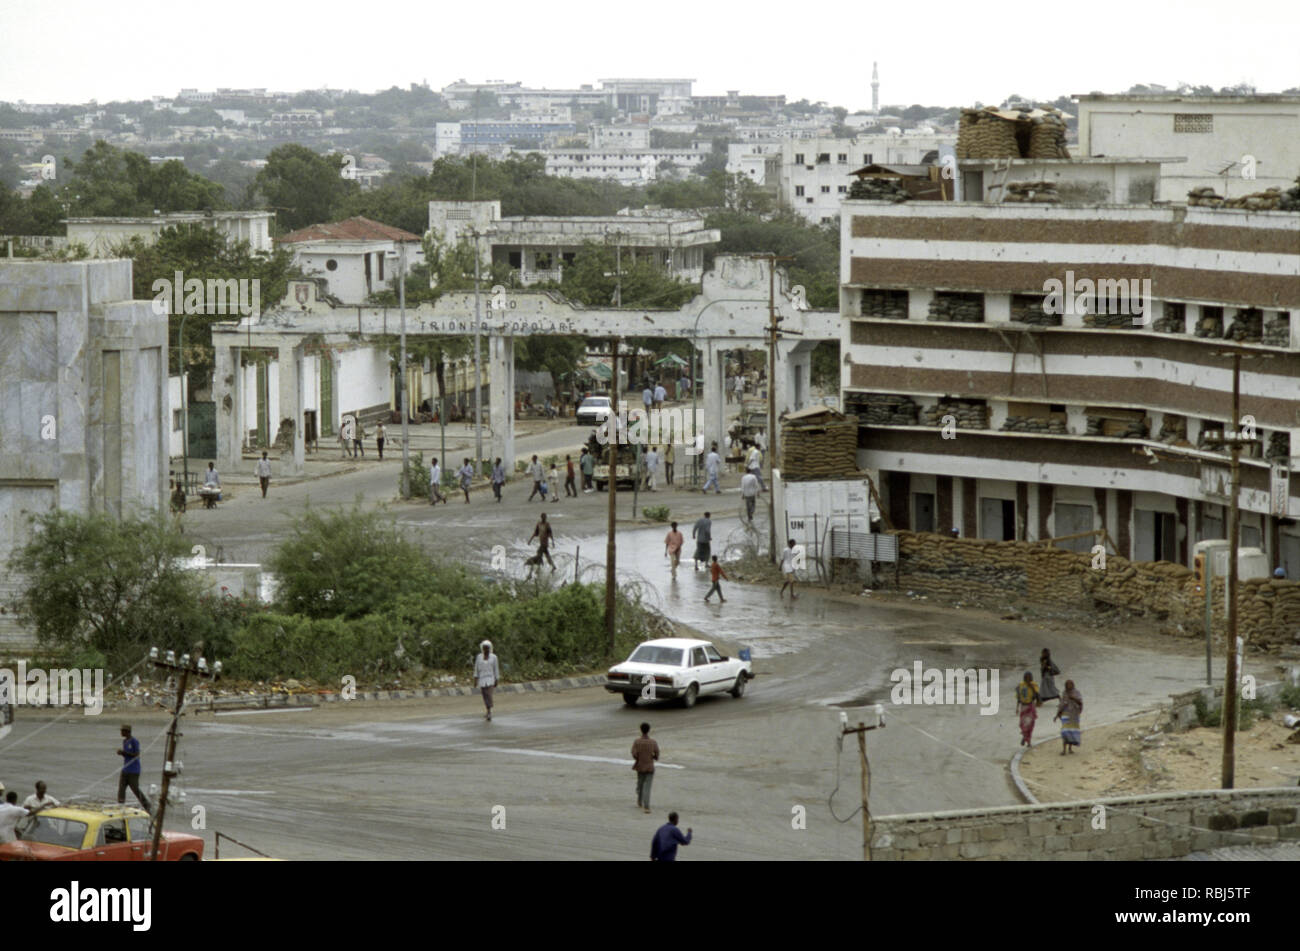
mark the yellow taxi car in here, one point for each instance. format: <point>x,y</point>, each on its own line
<point>96,832</point>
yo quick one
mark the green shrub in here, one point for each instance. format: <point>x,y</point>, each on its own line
<point>656,513</point>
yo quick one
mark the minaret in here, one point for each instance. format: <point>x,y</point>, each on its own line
<point>875,89</point>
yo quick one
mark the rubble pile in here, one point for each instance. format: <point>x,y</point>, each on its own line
<point>1043,193</point>
<point>968,414</point>
<point>878,189</point>
<point>824,446</point>
<point>1034,424</point>
<point>885,409</point>
<point>890,305</point>
<point>963,308</point>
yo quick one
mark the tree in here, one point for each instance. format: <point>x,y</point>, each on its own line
<point>95,583</point>
<point>111,182</point>
<point>301,187</point>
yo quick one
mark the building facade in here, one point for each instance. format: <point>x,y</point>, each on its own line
<point>983,407</point>
<point>101,235</point>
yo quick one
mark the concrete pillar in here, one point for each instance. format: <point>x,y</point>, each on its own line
<point>713,397</point>
<point>501,385</point>
<point>290,361</point>
<point>227,390</point>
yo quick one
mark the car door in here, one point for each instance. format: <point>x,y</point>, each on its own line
<point>111,842</point>
<point>140,830</point>
<point>721,675</point>
<point>700,670</point>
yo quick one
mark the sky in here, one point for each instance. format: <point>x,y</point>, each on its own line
<point>942,53</point>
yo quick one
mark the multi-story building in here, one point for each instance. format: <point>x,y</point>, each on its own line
<point>1237,144</point>
<point>625,165</point>
<point>538,248</point>
<point>620,136</point>
<point>355,257</point>
<point>815,172</point>
<point>1032,371</point>
<point>643,95</point>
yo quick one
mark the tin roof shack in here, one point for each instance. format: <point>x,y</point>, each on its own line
<point>900,183</point>
<point>818,442</point>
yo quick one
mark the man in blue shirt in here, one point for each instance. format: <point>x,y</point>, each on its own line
<point>130,775</point>
<point>663,848</point>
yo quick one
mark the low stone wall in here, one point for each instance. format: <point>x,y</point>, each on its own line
<point>1156,826</point>
<point>1180,716</point>
<point>977,569</point>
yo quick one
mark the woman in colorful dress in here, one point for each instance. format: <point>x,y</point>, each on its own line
<point>1069,713</point>
<point>1049,672</point>
<point>1027,706</point>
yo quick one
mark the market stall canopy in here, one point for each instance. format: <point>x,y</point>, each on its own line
<point>672,359</point>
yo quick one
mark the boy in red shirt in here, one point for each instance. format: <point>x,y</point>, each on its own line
<point>716,572</point>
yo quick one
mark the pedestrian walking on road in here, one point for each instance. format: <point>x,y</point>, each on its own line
<point>435,484</point>
<point>498,478</point>
<point>380,435</point>
<point>466,476</point>
<point>749,492</point>
<point>263,472</point>
<point>1048,671</point>
<point>712,463</point>
<point>754,465</point>
<point>668,463</point>
<point>660,395</point>
<point>129,777</point>
<point>553,483</point>
<point>588,466</point>
<point>359,439</point>
<point>651,468</point>
<point>703,535</point>
<point>570,478</point>
<point>487,672</point>
<point>663,848</point>
<point>716,573</point>
<point>673,542</point>
<point>789,557</point>
<point>1070,711</point>
<point>543,533</point>
<point>648,398</point>
<point>535,470</point>
<point>1027,702</point>
<point>644,753</point>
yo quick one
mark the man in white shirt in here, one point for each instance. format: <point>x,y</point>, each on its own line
<point>651,468</point>
<point>435,484</point>
<point>660,395</point>
<point>211,486</point>
<point>749,492</point>
<point>755,465</point>
<point>487,671</point>
<point>789,558</point>
<point>263,472</point>
<point>712,462</point>
<point>539,476</point>
<point>39,800</point>
<point>10,814</point>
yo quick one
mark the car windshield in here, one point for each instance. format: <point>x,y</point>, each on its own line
<point>595,402</point>
<point>52,831</point>
<point>652,654</point>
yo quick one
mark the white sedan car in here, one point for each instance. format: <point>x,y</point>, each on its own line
<point>677,667</point>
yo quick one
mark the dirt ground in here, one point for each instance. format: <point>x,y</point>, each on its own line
<point>1130,758</point>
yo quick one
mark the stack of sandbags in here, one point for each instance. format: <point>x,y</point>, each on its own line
<point>1267,200</point>
<point>1038,192</point>
<point>878,189</point>
<point>982,133</point>
<point>1173,429</point>
<point>1246,327</point>
<point>890,305</point>
<point>966,415</point>
<point>885,409</point>
<point>819,447</point>
<point>1279,447</point>
<point>1277,332</point>
<point>963,308</point>
<point>1204,197</point>
<point>1047,138</point>
<point>1034,424</point>
<point>1291,199</point>
<point>1029,309</point>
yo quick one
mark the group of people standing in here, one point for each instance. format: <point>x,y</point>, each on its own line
<point>1030,696</point>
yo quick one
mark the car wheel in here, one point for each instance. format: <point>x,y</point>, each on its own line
<point>189,857</point>
<point>630,699</point>
<point>688,698</point>
<point>738,691</point>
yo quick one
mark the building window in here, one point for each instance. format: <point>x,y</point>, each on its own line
<point>798,158</point>
<point>798,191</point>
<point>842,189</point>
<point>826,189</point>
<point>842,158</point>
<point>823,158</point>
<point>810,201</point>
<point>1192,122</point>
<point>866,158</point>
<point>176,420</point>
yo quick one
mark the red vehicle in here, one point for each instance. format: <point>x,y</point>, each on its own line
<point>96,832</point>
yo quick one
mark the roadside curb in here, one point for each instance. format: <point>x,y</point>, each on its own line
<point>272,701</point>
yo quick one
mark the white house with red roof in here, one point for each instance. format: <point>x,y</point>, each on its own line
<point>356,257</point>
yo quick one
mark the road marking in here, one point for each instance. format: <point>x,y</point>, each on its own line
<point>577,756</point>
<point>249,713</point>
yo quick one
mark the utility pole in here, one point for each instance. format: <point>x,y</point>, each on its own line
<point>185,413</point>
<point>772,334</point>
<point>478,373</point>
<point>611,429</point>
<point>170,767</point>
<point>402,377</point>
<point>861,730</point>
